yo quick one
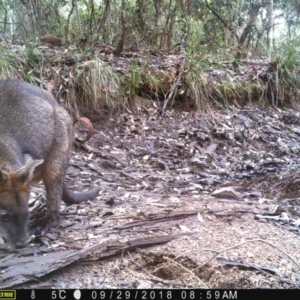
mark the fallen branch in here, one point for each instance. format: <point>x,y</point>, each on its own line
<point>243,243</point>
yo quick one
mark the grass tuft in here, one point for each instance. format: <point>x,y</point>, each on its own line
<point>94,86</point>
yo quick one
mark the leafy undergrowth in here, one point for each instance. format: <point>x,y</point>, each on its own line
<point>88,80</point>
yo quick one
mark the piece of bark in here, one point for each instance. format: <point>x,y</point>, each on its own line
<point>19,269</point>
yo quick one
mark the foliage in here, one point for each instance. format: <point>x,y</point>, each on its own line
<point>211,34</point>
<point>210,81</point>
<point>93,86</point>
<point>143,82</point>
<point>284,85</point>
<point>158,24</point>
<point>6,67</point>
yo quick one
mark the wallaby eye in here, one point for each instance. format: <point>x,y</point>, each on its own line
<point>4,215</point>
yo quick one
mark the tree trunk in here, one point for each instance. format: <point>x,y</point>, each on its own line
<point>78,16</point>
<point>270,28</point>
<point>68,24</point>
<point>104,17</point>
<point>251,21</point>
<point>121,43</point>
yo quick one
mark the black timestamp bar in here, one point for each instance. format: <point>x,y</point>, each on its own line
<point>151,294</point>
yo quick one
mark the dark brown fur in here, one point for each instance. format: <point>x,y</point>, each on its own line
<point>36,135</point>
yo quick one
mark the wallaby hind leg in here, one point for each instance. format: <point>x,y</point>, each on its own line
<point>54,174</point>
<point>54,171</point>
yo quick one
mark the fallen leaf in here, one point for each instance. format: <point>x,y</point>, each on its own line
<point>227,192</point>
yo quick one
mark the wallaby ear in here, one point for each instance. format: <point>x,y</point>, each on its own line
<point>26,172</point>
<point>3,177</point>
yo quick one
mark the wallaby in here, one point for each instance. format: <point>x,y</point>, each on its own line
<point>36,135</point>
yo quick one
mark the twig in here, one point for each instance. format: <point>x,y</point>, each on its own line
<point>187,270</point>
<point>268,274</point>
<point>155,278</point>
<point>243,243</point>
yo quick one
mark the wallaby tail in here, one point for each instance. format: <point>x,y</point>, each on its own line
<point>70,197</point>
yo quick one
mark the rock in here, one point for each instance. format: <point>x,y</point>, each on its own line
<point>51,40</point>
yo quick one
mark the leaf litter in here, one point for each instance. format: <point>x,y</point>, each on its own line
<point>187,201</point>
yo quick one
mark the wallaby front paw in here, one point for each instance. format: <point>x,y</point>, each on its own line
<point>42,226</point>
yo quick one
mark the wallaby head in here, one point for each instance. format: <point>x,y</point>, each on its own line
<point>14,195</point>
